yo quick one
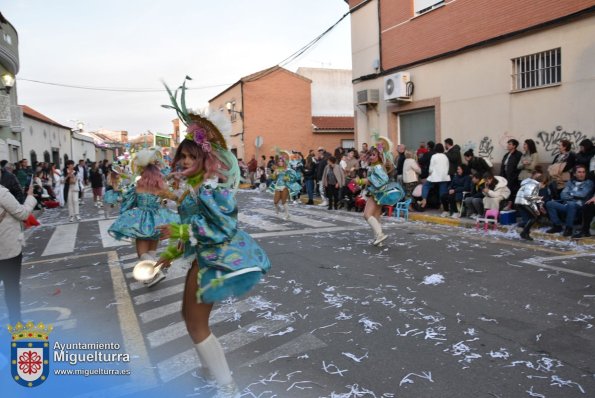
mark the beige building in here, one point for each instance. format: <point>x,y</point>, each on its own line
<point>520,74</point>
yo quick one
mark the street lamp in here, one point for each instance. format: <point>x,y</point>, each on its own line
<point>231,109</point>
<point>8,81</point>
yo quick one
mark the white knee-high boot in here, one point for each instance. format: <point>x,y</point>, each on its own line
<point>377,228</point>
<point>286,208</point>
<point>277,208</point>
<point>203,369</point>
<point>210,351</point>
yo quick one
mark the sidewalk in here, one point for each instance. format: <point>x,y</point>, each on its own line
<point>432,216</point>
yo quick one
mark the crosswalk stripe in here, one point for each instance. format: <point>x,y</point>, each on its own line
<point>307,231</point>
<point>332,215</point>
<point>160,312</point>
<point>178,329</point>
<point>260,223</point>
<point>187,361</point>
<point>294,218</point>
<point>128,257</point>
<point>172,275</point>
<point>158,294</point>
<point>303,343</point>
<point>106,238</point>
<point>63,240</point>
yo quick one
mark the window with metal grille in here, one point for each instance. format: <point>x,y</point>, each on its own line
<point>537,70</point>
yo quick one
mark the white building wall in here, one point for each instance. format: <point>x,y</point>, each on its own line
<point>332,91</point>
<point>477,108</point>
<point>39,136</point>
<point>83,148</point>
<point>365,33</point>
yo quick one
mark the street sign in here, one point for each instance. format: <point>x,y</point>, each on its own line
<point>258,141</point>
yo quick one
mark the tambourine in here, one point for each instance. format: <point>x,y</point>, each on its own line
<point>145,270</point>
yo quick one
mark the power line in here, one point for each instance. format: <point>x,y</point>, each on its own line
<point>284,62</point>
<point>311,44</point>
<point>128,90</point>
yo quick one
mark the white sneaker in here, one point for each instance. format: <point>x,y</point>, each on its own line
<point>228,391</point>
<point>379,239</point>
<point>323,204</point>
<point>71,219</point>
<point>156,279</point>
<point>78,218</point>
<point>455,215</point>
<point>444,214</point>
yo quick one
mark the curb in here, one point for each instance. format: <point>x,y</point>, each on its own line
<point>436,219</point>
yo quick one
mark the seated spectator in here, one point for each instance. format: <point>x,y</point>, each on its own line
<point>473,203</point>
<point>574,195</point>
<point>461,182</point>
<point>495,191</point>
<point>588,211</point>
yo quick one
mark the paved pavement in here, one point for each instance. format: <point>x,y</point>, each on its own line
<point>440,311</point>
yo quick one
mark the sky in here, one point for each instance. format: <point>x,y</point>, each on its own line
<point>135,44</point>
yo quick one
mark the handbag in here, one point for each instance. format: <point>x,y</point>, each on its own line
<point>557,173</point>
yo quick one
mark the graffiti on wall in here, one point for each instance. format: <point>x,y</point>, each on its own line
<point>486,147</point>
<point>550,140</point>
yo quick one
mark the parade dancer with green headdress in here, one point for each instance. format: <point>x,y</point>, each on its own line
<point>380,191</point>
<point>225,261</point>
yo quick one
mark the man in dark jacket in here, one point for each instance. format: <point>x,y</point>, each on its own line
<point>453,153</point>
<point>509,169</point>
<point>424,161</point>
<point>323,156</point>
<point>10,182</point>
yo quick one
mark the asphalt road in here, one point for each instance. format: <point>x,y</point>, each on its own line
<point>437,312</point>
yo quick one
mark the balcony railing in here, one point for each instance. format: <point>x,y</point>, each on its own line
<point>16,123</point>
<point>5,115</point>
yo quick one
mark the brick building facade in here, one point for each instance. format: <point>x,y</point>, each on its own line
<point>479,71</point>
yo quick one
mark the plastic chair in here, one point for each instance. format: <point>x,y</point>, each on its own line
<point>490,217</point>
<point>403,207</point>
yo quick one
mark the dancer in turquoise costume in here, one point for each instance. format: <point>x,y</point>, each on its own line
<point>381,192</point>
<point>141,210</point>
<point>113,191</point>
<point>284,179</point>
<point>225,261</point>
<point>297,165</point>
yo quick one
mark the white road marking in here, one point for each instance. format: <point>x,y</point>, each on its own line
<point>303,343</point>
<point>106,239</point>
<point>307,231</point>
<point>143,375</point>
<point>333,215</point>
<point>62,241</point>
<point>295,218</point>
<point>260,223</point>
<point>178,329</point>
<point>184,362</point>
<point>539,262</point>
<point>156,295</point>
<point>160,312</point>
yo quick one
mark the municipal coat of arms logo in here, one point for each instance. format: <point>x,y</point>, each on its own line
<point>30,353</point>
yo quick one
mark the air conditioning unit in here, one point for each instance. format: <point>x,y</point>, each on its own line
<point>398,87</point>
<point>369,96</point>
